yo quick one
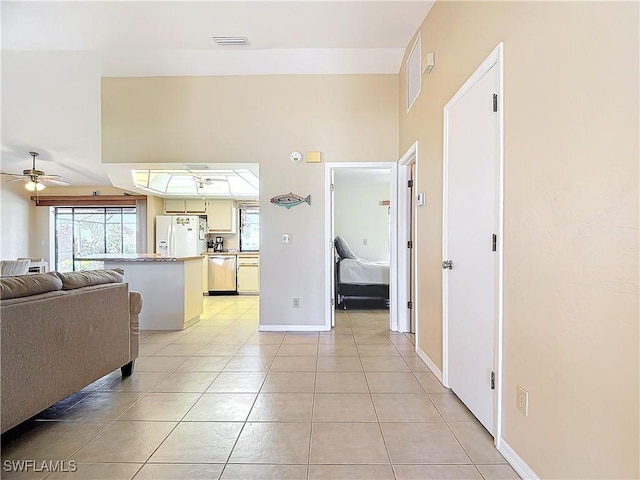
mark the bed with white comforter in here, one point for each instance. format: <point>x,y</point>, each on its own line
<point>363,272</point>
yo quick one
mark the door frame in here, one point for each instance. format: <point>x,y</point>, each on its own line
<point>404,165</point>
<point>393,233</point>
<point>495,58</point>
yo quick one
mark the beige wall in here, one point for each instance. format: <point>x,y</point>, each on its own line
<point>571,219</point>
<point>249,119</point>
<point>261,119</point>
<point>155,206</point>
<point>15,222</point>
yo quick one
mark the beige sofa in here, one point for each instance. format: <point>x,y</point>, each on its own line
<point>59,333</point>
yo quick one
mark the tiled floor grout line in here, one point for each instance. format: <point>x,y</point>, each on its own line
<point>375,411</point>
<point>313,409</point>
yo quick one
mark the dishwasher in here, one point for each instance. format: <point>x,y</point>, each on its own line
<point>222,275</point>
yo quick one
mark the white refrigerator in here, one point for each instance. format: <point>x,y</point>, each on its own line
<point>181,235</point>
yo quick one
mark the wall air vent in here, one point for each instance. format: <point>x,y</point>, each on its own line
<point>414,73</point>
<point>231,41</point>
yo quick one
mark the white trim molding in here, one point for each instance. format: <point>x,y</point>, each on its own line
<point>404,164</point>
<point>429,363</point>
<point>516,462</point>
<point>329,257</point>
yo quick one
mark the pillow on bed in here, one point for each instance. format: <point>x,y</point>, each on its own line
<point>343,249</point>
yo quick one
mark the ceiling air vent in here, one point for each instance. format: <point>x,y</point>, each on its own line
<point>197,167</point>
<point>231,41</point>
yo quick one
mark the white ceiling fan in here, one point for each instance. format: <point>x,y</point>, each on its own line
<point>35,179</point>
<point>202,182</point>
<point>203,179</point>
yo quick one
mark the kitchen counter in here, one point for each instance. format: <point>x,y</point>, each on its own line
<point>136,257</point>
<point>237,254</point>
<point>171,287</point>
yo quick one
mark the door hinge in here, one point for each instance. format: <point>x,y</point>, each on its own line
<point>495,102</point>
<point>332,187</point>
<point>410,183</point>
<point>409,304</point>
<point>333,302</point>
<point>410,244</point>
<point>494,243</point>
<point>493,380</point>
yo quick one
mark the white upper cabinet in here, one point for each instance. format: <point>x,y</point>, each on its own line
<point>221,216</point>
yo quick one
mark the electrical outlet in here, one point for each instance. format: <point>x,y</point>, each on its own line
<point>296,303</point>
<point>523,401</point>
<point>365,241</point>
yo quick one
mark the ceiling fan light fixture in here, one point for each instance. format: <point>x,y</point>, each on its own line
<point>34,186</point>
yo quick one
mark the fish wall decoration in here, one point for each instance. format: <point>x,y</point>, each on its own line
<point>290,200</point>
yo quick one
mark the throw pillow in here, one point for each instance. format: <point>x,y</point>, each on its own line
<point>343,249</point>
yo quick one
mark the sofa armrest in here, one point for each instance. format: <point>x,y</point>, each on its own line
<point>135,307</point>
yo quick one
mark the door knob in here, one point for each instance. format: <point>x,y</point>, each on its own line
<point>447,264</point>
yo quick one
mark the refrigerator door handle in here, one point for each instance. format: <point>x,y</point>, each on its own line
<point>172,240</point>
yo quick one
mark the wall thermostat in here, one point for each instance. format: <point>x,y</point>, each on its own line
<point>296,157</point>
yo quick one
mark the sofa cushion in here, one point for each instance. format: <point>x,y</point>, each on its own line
<point>86,278</point>
<point>27,285</point>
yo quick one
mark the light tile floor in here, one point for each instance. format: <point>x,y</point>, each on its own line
<point>223,401</point>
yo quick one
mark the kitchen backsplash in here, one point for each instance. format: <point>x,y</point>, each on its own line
<point>231,241</point>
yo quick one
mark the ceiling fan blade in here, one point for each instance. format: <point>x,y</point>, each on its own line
<point>50,177</point>
<point>13,174</point>
<point>53,181</point>
<point>16,180</point>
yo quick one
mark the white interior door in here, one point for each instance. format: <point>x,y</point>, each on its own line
<point>471,221</point>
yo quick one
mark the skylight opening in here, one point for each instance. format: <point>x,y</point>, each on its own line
<point>240,182</point>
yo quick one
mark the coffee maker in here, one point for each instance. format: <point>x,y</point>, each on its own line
<point>217,245</point>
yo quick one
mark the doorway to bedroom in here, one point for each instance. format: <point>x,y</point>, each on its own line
<point>361,235</point>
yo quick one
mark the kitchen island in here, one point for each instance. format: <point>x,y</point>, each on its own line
<point>170,286</point>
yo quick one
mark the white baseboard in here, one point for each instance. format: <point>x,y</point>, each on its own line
<point>293,328</point>
<point>432,366</point>
<point>517,463</point>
